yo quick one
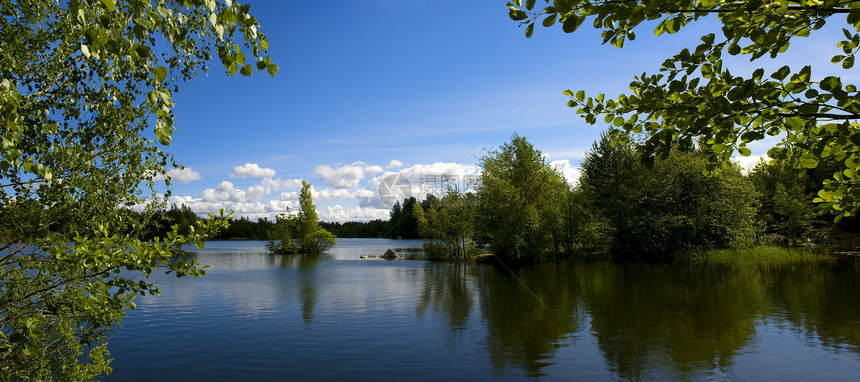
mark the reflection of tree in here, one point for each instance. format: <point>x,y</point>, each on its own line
<point>528,313</point>
<point>447,289</point>
<point>307,279</point>
<point>677,317</point>
<point>819,299</point>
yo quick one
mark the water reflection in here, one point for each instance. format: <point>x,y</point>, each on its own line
<point>578,320</point>
<point>449,290</point>
<point>650,321</point>
<point>529,313</point>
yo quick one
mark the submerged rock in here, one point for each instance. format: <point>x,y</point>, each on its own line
<point>390,255</point>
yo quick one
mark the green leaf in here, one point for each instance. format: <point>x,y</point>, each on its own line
<point>807,160</point>
<point>530,4</point>
<point>571,23</point>
<point>160,73</point>
<point>744,151</point>
<point>143,22</point>
<point>163,131</point>
<point>580,95</point>
<point>247,70</point>
<point>848,63</point>
<point>110,4</point>
<point>272,69</point>
<point>529,30</point>
<point>517,14</point>
<point>781,73</point>
<point>549,20</point>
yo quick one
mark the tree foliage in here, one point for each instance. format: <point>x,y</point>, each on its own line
<point>696,97</point>
<point>300,233</point>
<point>82,84</point>
<point>672,206</point>
<point>448,227</point>
<point>519,199</point>
<point>785,198</point>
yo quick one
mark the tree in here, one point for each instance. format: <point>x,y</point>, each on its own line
<point>696,97</point>
<point>281,237</point>
<point>518,206</point>
<point>671,206</point>
<point>312,238</point>
<point>81,85</point>
<point>402,224</point>
<point>449,229</point>
<point>301,232</point>
<point>785,197</point>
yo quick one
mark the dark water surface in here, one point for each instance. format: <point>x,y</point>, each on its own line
<point>259,317</point>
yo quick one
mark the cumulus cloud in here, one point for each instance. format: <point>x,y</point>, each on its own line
<point>748,163</point>
<point>224,192</point>
<point>372,170</point>
<point>394,164</point>
<point>346,176</point>
<point>252,170</point>
<point>341,214</point>
<point>183,175</point>
<point>337,193</point>
<point>418,180</point>
<point>570,172</point>
<point>294,195</point>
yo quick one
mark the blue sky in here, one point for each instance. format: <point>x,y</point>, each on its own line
<point>370,89</point>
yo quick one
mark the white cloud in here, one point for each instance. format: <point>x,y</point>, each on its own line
<point>328,193</point>
<point>183,175</point>
<point>252,170</point>
<point>570,172</point>
<point>341,214</point>
<point>224,192</point>
<point>394,164</point>
<point>346,176</point>
<point>280,206</point>
<point>417,181</point>
<point>372,170</point>
<point>294,195</point>
<point>748,163</point>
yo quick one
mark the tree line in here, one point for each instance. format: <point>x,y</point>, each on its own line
<point>525,210</point>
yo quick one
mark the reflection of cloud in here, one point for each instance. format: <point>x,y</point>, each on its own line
<point>183,175</point>
<point>252,170</point>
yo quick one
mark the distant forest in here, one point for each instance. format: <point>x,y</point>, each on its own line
<point>401,224</point>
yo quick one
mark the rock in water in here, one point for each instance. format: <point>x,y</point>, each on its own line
<point>390,255</point>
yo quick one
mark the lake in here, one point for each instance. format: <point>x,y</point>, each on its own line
<point>260,317</point>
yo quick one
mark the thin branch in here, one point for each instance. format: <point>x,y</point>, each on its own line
<point>838,117</point>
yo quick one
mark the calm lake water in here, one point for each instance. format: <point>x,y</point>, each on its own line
<point>259,317</point>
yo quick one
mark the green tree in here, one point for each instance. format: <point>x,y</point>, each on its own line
<point>518,206</point>
<point>785,196</point>
<point>402,224</point>
<point>696,97</point>
<point>82,84</point>
<point>311,237</point>
<point>672,206</point>
<point>280,235</point>
<point>301,232</point>
<point>448,229</point>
